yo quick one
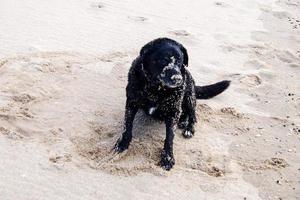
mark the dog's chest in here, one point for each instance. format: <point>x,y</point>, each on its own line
<point>162,101</point>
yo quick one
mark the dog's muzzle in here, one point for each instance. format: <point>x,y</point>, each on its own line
<point>177,78</point>
<point>171,78</point>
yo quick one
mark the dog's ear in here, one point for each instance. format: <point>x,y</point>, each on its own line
<point>185,55</point>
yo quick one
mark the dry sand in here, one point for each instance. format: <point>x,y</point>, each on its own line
<point>63,71</point>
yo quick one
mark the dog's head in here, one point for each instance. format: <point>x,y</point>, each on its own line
<point>163,62</point>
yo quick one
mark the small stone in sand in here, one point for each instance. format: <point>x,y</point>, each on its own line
<point>278,182</point>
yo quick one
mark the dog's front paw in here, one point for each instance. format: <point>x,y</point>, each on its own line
<point>167,160</point>
<point>121,145</point>
<point>187,133</point>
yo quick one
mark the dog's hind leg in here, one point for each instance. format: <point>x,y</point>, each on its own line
<point>188,117</point>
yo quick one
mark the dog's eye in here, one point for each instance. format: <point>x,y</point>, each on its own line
<point>165,61</point>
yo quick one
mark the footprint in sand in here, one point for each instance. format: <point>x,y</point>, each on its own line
<point>138,18</point>
<point>231,111</point>
<point>298,53</point>
<point>221,4</point>
<point>10,133</point>
<point>182,33</point>
<point>3,62</point>
<point>287,57</point>
<point>97,5</point>
<point>23,98</point>
<point>228,48</point>
<point>253,65</point>
<point>60,158</point>
<point>272,163</point>
<point>215,171</point>
<point>251,80</point>
<point>294,65</point>
<point>292,3</point>
<point>278,163</point>
<point>196,161</point>
<point>24,113</point>
<point>114,56</point>
<point>280,15</point>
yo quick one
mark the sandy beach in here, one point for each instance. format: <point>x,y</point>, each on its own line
<point>63,73</point>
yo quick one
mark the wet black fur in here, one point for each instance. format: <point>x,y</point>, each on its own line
<point>176,106</point>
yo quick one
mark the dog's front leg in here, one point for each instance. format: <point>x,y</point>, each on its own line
<point>123,142</point>
<point>167,159</point>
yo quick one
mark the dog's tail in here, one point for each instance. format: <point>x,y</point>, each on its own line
<point>209,91</point>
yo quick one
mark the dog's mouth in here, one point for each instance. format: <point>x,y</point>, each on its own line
<point>171,80</point>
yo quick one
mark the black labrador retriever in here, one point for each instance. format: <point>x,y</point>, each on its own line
<point>160,84</point>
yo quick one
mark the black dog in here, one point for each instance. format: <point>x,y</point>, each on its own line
<point>160,84</point>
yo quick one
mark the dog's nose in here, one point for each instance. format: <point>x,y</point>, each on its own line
<point>177,78</point>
